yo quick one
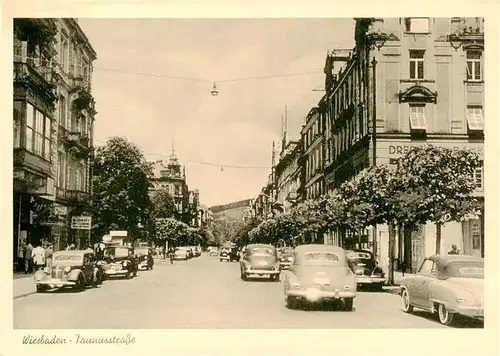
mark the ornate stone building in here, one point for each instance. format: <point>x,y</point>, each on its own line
<point>53,129</point>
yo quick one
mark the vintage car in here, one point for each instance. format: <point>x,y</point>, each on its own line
<point>285,257</point>
<point>181,253</point>
<point>366,269</point>
<point>260,260</point>
<point>144,257</point>
<point>446,285</point>
<point>319,273</point>
<point>77,269</point>
<point>229,254</point>
<point>119,261</point>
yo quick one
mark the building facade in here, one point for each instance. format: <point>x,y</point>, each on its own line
<point>288,175</point>
<point>410,81</point>
<point>172,179</point>
<point>54,114</point>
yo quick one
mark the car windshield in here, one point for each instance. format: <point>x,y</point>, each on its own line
<point>67,257</point>
<point>462,269</point>
<point>320,257</point>
<point>354,255</point>
<point>261,251</point>
<point>117,252</point>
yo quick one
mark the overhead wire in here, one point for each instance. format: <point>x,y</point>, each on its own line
<point>201,162</point>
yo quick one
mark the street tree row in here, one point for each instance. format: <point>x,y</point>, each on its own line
<point>428,184</point>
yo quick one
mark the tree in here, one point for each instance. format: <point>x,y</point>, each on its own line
<point>442,179</point>
<point>163,205</point>
<point>171,231</point>
<point>226,229</point>
<point>120,186</point>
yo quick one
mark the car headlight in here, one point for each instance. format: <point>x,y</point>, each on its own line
<point>125,263</point>
<point>67,269</point>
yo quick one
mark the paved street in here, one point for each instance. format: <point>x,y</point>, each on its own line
<point>201,293</point>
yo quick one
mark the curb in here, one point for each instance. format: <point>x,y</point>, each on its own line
<point>392,289</point>
<point>23,295</point>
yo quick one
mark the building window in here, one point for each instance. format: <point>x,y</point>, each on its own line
<point>61,170</point>
<point>417,24</point>
<point>46,139</point>
<point>30,126</point>
<point>478,178</point>
<point>417,117</point>
<point>475,119</point>
<point>473,65</point>
<point>62,111</point>
<point>417,64</point>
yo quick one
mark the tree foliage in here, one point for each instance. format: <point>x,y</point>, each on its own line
<point>163,205</point>
<point>226,228</point>
<point>120,185</point>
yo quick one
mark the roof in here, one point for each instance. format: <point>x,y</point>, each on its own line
<point>317,247</point>
<point>72,252</point>
<point>259,245</point>
<point>444,260</point>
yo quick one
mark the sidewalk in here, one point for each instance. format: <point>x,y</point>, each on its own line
<point>23,285</point>
<point>398,276</point>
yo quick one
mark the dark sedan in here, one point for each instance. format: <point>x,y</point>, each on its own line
<point>366,269</point>
<point>260,260</point>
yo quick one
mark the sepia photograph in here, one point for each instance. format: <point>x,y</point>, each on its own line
<point>246,173</point>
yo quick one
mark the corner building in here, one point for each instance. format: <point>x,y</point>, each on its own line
<point>409,82</point>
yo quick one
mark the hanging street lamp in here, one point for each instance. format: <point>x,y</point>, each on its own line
<point>214,90</point>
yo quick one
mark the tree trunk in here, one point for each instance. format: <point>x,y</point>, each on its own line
<point>407,249</point>
<point>400,246</point>
<point>375,242</point>
<point>392,242</point>
<point>438,238</point>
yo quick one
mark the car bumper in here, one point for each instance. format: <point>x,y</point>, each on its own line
<point>122,272</point>
<point>316,295</point>
<point>285,265</point>
<point>370,280</point>
<point>471,312</point>
<point>261,272</point>
<point>53,282</point>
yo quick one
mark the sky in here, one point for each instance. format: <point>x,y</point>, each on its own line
<point>235,128</point>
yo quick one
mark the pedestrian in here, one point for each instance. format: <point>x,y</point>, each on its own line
<point>20,258</point>
<point>454,250</point>
<point>38,255</point>
<point>98,252</point>
<point>28,249</point>
<point>49,251</point>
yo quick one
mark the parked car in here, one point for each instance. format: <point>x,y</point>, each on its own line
<point>197,251</point>
<point>213,251</point>
<point>119,261</point>
<point>285,257</point>
<point>144,257</point>
<point>319,273</point>
<point>446,285</point>
<point>189,251</point>
<point>229,254</point>
<point>76,269</point>
<point>366,268</point>
<point>260,260</point>
<point>181,253</point>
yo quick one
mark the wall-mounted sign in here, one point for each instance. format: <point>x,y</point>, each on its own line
<point>81,222</point>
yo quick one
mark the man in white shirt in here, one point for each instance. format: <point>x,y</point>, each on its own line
<point>38,255</point>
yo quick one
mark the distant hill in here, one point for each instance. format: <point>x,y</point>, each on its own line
<point>238,204</point>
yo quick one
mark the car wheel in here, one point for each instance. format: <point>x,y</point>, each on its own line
<point>405,299</point>
<point>348,304</point>
<point>135,273</point>
<point>276,278</point>
<point>445,317</point>
<point>128,275</point>
<point>291,303</point>
<point>41,289</point>
<point>80,284</point>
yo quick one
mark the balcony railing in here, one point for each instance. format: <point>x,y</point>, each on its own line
<point>77,195</point>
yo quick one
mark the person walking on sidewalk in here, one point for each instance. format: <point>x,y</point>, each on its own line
<point>38,255</point>
<point>28,249</point>
<point>49,251</point>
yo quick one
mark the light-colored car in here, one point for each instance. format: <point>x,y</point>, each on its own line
<point>181,253</point>
<point>319,273</point>
<point>446,285</point>
<point>260,260</point>
<point>76,268</point>
<point>213,251</point>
